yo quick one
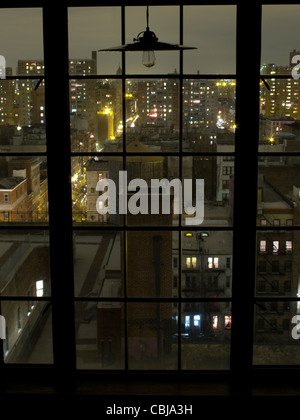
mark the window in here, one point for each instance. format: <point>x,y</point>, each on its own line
<point>197,320</point>
<point>228,322</point>
<point>289,246</point>
<point>274,286</point>
<point>39,288</point>
<point>187,323</point>
<point>262,266</point>
<point>288,265</point>
<point>215,322</point>
<point>275,247</point>
<point>263,245</point>
<point>216,262</point>
<point>170,121</point>
<point>228,262</point>
<point>213,262</point>
<point>191,262</point>
<point>275,266</point>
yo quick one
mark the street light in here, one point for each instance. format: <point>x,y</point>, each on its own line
<point>147,42</point>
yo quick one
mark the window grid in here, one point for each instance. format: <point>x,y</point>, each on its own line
<point>180,229</point>
<point>65,360</point>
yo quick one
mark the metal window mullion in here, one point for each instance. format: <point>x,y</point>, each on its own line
<point>179,265</point>
<point>245,200</point>
<point>124,219</point>
<point>60,203</point>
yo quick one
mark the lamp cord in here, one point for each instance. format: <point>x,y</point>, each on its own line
<point>147,14</point>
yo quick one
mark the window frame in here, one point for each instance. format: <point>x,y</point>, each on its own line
<point>60,224</point>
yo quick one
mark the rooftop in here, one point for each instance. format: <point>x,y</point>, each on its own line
<point>10,183</point>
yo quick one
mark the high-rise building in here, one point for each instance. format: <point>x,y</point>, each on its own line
<point>281,97</point>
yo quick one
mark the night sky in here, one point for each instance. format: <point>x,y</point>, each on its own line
<point>209,28</point>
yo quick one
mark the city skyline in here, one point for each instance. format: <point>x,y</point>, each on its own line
<point>209,28</point>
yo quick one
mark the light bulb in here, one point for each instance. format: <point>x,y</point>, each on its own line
<point>148,58</point>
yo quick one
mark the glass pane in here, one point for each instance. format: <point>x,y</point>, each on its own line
<point>86,173</point>
<point>92,29</point>
<point>96,115</point>
<point>206,334</point>
<point>154,189</point>
<point>276,333</point>
<point>206,263</point>
<point>99,335</point>
<point>152,114</point>
<point>277,263</point>
<point>218,175</point>
<point>278,191</point>
<point>208,115</point>
<point>150,330</point>
<point>23,190</point>
<point>164,22</point>
<point>22,116</point>
<point>150,265</point>
<point>279,115</point>
<point>98,263</point>
<point>28,326</point>
<point>25,263</point>
<point>22,39</point>
<point>92,204</point>
<point>280,28</point>
<point>212,29</point>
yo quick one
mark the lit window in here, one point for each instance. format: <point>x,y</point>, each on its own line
<point>39,285</point>
<point>187,321</point>
<point>215,322</point>
<point>194,262</point>
<point>262,246</point>
<point>196,320</point>
<point>275,247</point>
<point>288,246</point>
<point>213,262</point>
<point>216,262</point>
<point>191,262</point>
<point>227,322</point>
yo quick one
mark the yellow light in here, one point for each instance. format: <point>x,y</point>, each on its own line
<point>188,234</point>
